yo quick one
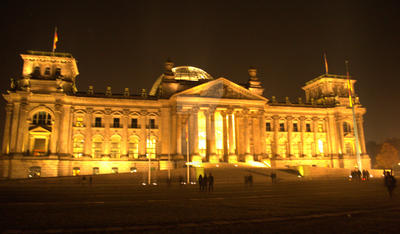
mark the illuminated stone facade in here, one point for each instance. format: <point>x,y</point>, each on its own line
<point>52,129</point>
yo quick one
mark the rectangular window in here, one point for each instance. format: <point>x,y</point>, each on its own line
<point>134,123</point>
<point>79,122</point>
<point>308,127</point>
<point>47,71</point>
<point>116,123</point>
<point>268,127</point>
<point>320,127</point>
<point>152,123</point>
<point>281,127</point>
<point>76,171</point>
<point>58,72</point>
<point>295,127</point>
<point>96,171</point>
<point>97,122</point>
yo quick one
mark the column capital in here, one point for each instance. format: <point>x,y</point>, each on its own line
<point>89,110</point>
<point>229,110</point>
<point>315,119</point>
<point>125,112</point>
<point>275,117</point>
<point>143,112</point>
<point>289,118</point>
<point>107,111</point>
<point>9,107</point>
<point>302,118</point>
<point>58,108</point>
<point>195,109</point>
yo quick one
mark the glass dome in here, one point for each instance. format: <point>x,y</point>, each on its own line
<point>190,73</point>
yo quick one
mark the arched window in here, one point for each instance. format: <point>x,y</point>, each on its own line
<point>151,147</point>
<point>346,128</point>
<point>133,147</point>
<point>41,118</point>
<point>78,144</point>
<point>115,146</point>
<point>97,146</point>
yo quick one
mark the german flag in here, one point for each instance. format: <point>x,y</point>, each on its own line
<point>55,40</point>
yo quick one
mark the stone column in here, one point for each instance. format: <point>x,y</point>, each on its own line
<point>360,126</point>
<point>179,134</point>
<point>107,123</point>
<point>88,136</point>
<point>262,132</point>
<point>69,134</point>
<point>196,156</point>
<point>208,133</point>
<point>302,129</point>
<point>7,127</point>
<point>14,127</point>
<point>232,158</point>
<point>144,134</point>
<point>328,150</point>
<point>315,125</point>
<point>225,136</point>
<point>22,128</point>
<point>289,120</point>
<point>55,129</point>
<point>64,131</point>
<point>276,137</point>
<point>333,136</point>
<point>256,136</point>
<point>339,125</point>
<point>125,136</point>
<point>213,154</point>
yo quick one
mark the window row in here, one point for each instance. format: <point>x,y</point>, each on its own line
<point>295,127</point>
<point>98,146</point>
<point>116,123</point>
<point>47,72</point>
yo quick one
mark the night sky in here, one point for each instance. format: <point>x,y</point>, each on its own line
<point>125,43</point>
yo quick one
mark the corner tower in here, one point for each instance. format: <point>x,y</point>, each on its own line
<point>47,72</point>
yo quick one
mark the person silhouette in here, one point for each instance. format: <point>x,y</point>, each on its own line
<point>200,182</point>
<point>210,183</point>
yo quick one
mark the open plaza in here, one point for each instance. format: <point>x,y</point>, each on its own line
<point>120,203</point>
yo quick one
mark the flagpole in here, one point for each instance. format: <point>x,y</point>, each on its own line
<point>326,64</point>
<point>55,39</point>
<point>359,164</point>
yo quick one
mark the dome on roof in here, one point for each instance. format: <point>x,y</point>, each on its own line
<point>182,73</point>
<point>190,73</point>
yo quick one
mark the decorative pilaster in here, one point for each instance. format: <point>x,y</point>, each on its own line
<point>22,127</point>
<point>232,158</point>
<point>213,153</point>
<point>143,134</point>
<point>7,127</point>
<point>89,134</point>
<point>360,126</point>
<point>107,122</point>
<point>276,137</point>
<point>14,126</point>
<point>55,129</point>
<point>303,129</point>
<point>262,132</point>
<point>124,141</point>
<point>179,134</point>
<point>315,130</point>
<point>196,156</point>
<point>289,120</point>
<point>225,136</point>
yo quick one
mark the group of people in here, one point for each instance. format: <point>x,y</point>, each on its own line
<point>205,182</point>
<point>248,180</point>
<point>357,175</point>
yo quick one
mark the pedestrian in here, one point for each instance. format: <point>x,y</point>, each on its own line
<point>205,181</point>
<point>390,183</point>
<point>273,177</point>
<point>83,180</point>
<point>200,182</point>
<point>90,180</point>
<point>250,179</point>
<point>210,183</point>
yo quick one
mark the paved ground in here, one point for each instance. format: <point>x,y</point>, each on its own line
<point>317,206</point>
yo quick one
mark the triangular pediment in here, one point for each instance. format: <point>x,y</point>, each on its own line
<point>39,129</point>
<point>221,88</point>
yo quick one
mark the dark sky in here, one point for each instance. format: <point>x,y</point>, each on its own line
<point>124,44</point>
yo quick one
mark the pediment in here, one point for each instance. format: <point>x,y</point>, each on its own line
<point>39,129</point>
<point>221,88</point>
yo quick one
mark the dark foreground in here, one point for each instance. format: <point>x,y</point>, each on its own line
<point>325,206</point>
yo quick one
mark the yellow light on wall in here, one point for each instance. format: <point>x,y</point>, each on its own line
<point>219,134</point>
<point>202,133</point>
<point>321,146</point>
